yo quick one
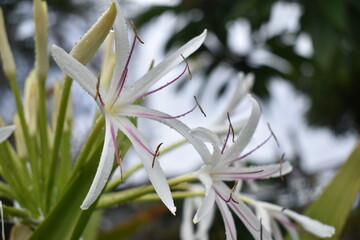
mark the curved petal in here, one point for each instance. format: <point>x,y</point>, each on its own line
<point>206,135</point>
<point>150,78</point>
<point>74,69</point>
<point>228,219</point>
<point>139,111</point>
<point>187,227</point>
<point>155,173</point>
<point>122,49</point>
<point>245,134</point>
<point>5,132</point>
<point>206,206</point>
<point>104,168</point>
<point>246,173</point>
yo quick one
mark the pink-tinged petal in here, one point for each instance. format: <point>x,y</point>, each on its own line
<point>206,206</point>
<point>5,132</point>
<point>155,74</point>
<point>155,173</point>
<point>74,69</point>
<point>207,136</point>
<point>290,227</point>
<point>104,168</point>
<point>315,227</point>
<point>228,219</point>
<point>249,219</point>
<point>139,111</point>
<point>245,134</point>
<point>246,173</point>
<point>276,231</point>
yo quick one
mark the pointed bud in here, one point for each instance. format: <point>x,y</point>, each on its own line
<point>108,63</point>
<point>85,49</point>
<point>19,138</point>
<point>5,51</point>
<point>41,38</point>
<point>31,101</point>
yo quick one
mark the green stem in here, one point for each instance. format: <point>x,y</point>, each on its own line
<point>11,212</point>
<point>111,199</point>
<point>116,181</point>
<point>57,139</point>
<point>176,195</point>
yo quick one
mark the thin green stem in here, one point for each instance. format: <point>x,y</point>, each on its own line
<point>116,181</point>
<point>151,197</point>
<point>111,199</point>
<point>57,139</point>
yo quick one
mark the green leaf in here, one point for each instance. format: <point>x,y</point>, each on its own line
<point>334,204</point>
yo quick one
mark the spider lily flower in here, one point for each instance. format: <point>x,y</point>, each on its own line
<point>5,132</point>
<point>116,104</point>
<point>222,166</point>
<point>272,214</point>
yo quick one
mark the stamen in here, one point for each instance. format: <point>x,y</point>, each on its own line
<point>272,133</point>
<point>135,31</point>
<point>137,139</point>
<point>231,129</point>
<point>152,64</point>
<point>231,192</point>
<point>167,84</point>
<point>157,153</point>
<point>165,117</point>
<point>198,104</point>
<point>281,163</point>
<point>187,66</point>
<point>98,95</point>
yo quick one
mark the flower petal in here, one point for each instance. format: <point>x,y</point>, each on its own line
<point>230,228</point>
<point>5,132</point>
<point>74,69</point>
<point>122,49</point>
<point>181,128</point>
<point>245,135</point>
<point>246,173</point>
<point>155,74</point>
<point>104,168</point>
<point>206,206</point>
<point>155,173</point>
<point>311,225</point>
<point>208,136</point>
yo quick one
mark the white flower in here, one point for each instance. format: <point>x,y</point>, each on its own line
<point>116,103</point>
<point>272,214</point>
<point>222,166</point>
<point>5,132</point>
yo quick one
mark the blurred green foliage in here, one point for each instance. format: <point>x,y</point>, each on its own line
<point>330,77</point>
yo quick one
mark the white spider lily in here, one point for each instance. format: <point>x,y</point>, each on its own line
<point>116,103</point>
<point>272,214</point>
<point>221,166</point>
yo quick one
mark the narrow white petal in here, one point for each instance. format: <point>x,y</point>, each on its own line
<point>155,173</point>
<point>144,83</point>
<point>247,173</point>
<point>181,128</point>
<point>74,69</point>
<point>205,207</point>
<point>208,136</point>
<point>264,215</point>
<point>276,232</point>
<point>245,134</point>
<point>228,219</point>
<point>104,169</point>
<point>249,219</point>
<point>204,226</point>
<point>311,225</point>
<point>187,227</point>
<point>122,49</point>
<point>5,132</point>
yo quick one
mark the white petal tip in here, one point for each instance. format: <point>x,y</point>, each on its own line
<point>173,210</point>
<point>84,206</point>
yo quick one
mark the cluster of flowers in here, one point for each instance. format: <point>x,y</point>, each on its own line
<point>221,163</point>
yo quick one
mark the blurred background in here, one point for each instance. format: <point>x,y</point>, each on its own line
<point>306,59</point>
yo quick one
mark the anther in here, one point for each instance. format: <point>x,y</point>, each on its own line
<point>156,154</point>
<point>231,127</point>
<point>187,66</point>
<point>281,163</point>
<point>97,95</point>
<point>119,161</point>
<point>198,104</point>
<point>135,31</point>
<point>272,134</point>
<point>231,194</point>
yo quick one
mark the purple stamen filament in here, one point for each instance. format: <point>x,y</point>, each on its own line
<point>235,208</point>
<point>98,95</point>
<point>139,141</point>
<point>157,153</point>
<point>231,129</point>
<point>117,154</point>
<point>231,192</point>
<point>165,117</point>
